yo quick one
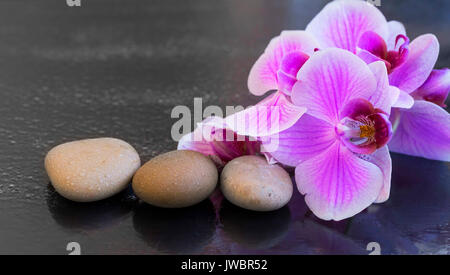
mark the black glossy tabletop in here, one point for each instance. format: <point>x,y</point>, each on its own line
<point>117,68</point>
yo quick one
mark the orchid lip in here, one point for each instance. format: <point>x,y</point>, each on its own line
<point>363,128</point>
<point>405,41</point>
<point>397,58</point>
<point>356,131</point>
<point>375,46</point>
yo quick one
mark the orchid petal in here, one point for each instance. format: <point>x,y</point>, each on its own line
<point>423,53</point>
<point>287,74</point>
<point>263,75</point>
<point>372,42</point>
<point>423,131</point>
<point>337,183</point>
<point>395,29</point>
<point>382,159</point>
<point>341,23</point>
<point>199,140</point>
<point>305,139</point>
<point>404,99</point>
<point>329,79</point>
<point>436,88</point>
<point>385,96</point>
<point>369,57</point>
<point>272,115</point>
<point>190,142</point>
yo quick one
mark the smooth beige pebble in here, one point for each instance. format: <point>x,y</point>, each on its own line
<point>176,179</point>
<point>91,169</point>
<point>251,183</point>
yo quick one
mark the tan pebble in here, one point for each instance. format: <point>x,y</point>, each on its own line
<point>91,169</point>
<point>251,183</point>
<point>176,179</point>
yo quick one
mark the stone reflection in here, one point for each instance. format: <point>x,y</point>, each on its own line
<point>91,215</point>
<point>256,230</point>
<point>178,231</point>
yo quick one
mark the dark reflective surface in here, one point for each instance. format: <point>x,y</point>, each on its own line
<point>117,68</point>
<point>185,230</point>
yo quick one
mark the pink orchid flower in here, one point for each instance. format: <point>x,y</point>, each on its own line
<point>421,126</point>
<point>276,69</point>
<point>339,146</point>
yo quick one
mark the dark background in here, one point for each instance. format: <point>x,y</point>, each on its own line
<point>117,68</point>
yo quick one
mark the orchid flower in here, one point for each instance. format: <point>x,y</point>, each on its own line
<point>276,69</point>
<point>421,126</point>
<point>424,129</point>
<point>339,146</point>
